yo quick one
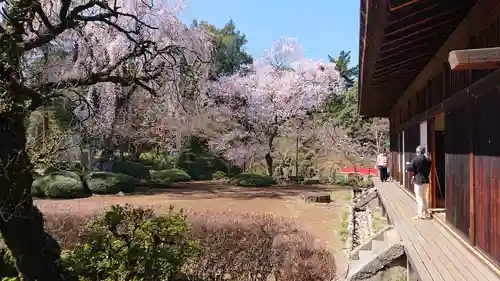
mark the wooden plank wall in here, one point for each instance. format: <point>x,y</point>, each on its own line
<point>457,139</point>
<point>472,179</point>
<point>394,158</point>
<point>487,173</point>
<point>412,140</point>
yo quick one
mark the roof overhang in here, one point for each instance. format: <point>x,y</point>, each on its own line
<point>397,40</point>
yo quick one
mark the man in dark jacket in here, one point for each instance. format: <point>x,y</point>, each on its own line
<point>421,167</point>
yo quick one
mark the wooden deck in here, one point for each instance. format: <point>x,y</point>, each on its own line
<point>434,253</point>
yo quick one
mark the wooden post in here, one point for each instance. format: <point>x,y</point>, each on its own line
<point>484,58</point>
<point>472,205</point>
<point>432,154</point>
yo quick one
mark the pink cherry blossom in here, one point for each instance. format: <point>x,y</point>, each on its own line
<point>281,89</point>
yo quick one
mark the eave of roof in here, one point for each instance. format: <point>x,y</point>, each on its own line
<point>397,39</point>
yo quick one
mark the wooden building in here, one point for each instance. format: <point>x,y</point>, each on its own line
<point>453,111</point>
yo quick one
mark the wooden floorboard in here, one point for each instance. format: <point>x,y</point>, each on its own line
<point>435,254</point>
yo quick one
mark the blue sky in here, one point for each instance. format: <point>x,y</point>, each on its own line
<point>323,27</point>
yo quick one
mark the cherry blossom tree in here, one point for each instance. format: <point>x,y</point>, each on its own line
<point>282,89</point>
<point>130,44</point>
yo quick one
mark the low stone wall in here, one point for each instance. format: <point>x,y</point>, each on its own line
<point>350,225</point>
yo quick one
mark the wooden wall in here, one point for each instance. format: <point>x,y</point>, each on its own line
<point>457,136</point>
<point>472,180</point>
<point>394,158</point>
<point>487,172</point>
<point>412,140</point>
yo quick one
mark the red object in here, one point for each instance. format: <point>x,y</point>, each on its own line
<point>359,170</point>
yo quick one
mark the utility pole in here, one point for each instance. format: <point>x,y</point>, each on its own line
<point>297,148</point>
<point>297,153</point>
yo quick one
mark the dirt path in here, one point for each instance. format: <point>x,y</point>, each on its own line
<point>321,220</point>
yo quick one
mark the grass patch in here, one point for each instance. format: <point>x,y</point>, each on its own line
<point>348,197</point>
<point>400,278</point>
<point>378,220</point>
<point>343,226</point>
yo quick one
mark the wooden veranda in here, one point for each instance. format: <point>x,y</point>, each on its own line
<point>433,252</point>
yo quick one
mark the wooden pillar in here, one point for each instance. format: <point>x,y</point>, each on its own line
<point>472,205</point>
<point>432,156</point>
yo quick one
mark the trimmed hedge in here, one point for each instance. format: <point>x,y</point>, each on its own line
<point>250,179</point>
<point>133,169</point>
<point>63,184</point>
<point>110,183</point>
<point>64,166</point>
<point>169,176</point>
<point>367,183</point>
<point>219,175</point>
<point>158,161</point>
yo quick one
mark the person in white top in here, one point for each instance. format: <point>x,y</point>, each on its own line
<point>382,165</point>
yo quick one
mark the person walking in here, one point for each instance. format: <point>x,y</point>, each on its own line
<point>381,165</point>
<point>421,167</point>
<point>388,173</point>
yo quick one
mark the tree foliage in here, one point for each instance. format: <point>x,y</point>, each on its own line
<point>282,89</point>
<point>124,47</point>
<point>361,137</point>
<point>229,54</point>
<point>350,74</point>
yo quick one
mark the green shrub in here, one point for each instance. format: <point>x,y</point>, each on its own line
<point>367,183</point>
<point>158,161</point>
<point>7,262</point>
<point>219,175</point>
<point>110,183</point>
<point>350,181</point>
<point>36,188</point>
<point>133,169</point>
<point>169,176</point>
<point>200,166</point>
<point>64,166</point>
<point>64,184</point>
<point>250,179</point>
<point>129,243</point>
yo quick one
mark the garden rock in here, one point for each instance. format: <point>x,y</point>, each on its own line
<point>311,181</point>
<point>316,197</point>
<point>365,198</point>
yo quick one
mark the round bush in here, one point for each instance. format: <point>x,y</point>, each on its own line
<point>133,169</point>
<point>367,183</point>
<point>110,183</point>
<point>149,247</point>
<point>64,166</point>
<point>64,184</point>
<point>219,175</point>
<point>158,161</point>
<point>250,179</point>
<point>37,189</point>
<point>169,176</point>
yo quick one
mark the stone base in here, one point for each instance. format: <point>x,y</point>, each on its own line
<point>316,197</point>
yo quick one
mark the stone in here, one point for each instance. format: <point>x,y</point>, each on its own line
<point>316,197</point>
<point>365,199</point>
<point>373,264</point>
<point>311,181</point>
<point>120,193</point>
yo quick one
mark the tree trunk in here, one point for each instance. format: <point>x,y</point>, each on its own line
<point>37,254</point>
<point>269,162</point>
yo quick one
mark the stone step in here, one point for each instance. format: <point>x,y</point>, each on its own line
<point>391,236</point>
<point>379,246</point>
<point>371,262</point>
<point>365,257</point>
<point>367,245</point>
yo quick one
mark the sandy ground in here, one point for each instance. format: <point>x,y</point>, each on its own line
<point>320,220</point>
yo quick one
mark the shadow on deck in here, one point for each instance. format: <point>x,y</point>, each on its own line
<point>434,254</point>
